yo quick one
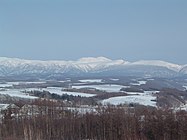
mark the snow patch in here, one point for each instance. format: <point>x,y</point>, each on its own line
<point>185,87</point>
<point>91,81</point>
<point>17,93</point>
<point>114,79</point>
<point>138,99</point>
<point>105,87</point>
<point>146,98</point>
<point>168,65</point>
<point>139,83</point>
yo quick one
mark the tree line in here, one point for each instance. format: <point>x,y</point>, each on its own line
<point>106,123</point>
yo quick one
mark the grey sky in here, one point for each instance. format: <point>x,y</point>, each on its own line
<point>117,29</point>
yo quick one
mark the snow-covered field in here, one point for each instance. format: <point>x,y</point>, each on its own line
<point>106,87</point>
<point>91,81</point>
<point>142,82</point>
<point>56,90</point>
<point>17,93</point>
<point>139,83</point>
<point>144,93</point>
<point>185,87</point>
<point>114,79</point>
<point>8,84</point>
<point>32,82</point>
<point>5,85</point>
<point>138,99</point>
<point>134,97</point>
<point>11,84</point>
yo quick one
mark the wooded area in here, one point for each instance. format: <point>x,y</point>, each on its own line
<point>53,122</point>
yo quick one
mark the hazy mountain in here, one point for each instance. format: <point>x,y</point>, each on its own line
<point>89,66</point>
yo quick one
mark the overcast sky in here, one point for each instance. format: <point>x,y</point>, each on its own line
<point>118,29</point>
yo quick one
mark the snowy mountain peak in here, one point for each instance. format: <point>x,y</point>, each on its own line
<point>87,65</point>
<point>93,59</point>
<point>160,63</point>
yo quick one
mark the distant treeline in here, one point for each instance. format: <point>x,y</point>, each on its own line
<point>77,100</point>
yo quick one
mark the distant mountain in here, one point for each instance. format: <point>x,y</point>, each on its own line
<point>184,69</point>
<point>89,66</point>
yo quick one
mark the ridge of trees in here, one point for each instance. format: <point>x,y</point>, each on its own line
<point>107,123</point>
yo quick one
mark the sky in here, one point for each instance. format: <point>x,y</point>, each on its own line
<point>117,29</point>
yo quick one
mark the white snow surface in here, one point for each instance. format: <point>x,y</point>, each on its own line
<point>134,97</point>
<point>114,79</point>
<point>87,64</point>
<point>93,60</point>
<point>139,99</point>
<point>91,81</point>
<point>105,87</point>
<point>11,84</point>
<point>185,87</point>
<point>168,65</point>
<point>182,107</point>
<point>139,83</point>
<point>5,85</point>
<point>17,93</point>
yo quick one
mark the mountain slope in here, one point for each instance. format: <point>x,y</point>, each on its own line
<point>87,66</point>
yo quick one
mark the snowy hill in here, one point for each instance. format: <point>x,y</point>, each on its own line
<point>89,65</point>
<point>184,69</point>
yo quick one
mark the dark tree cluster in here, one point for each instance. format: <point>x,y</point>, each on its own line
<point>107,123</point>
<point>75,100</point>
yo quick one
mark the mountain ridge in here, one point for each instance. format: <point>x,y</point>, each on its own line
<point>16,66</point>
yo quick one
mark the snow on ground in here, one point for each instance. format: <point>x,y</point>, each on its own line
<point>114,79</point>
<point>16,93</point>
<point>139,99</point>
<point>5,85</point>
<point>11,84</point>
<point>135,84</point>
<point>32,82</point>
<point>181,107</point>
<point>133,93</point>
<point>150,92</point>
<point>8,84</point>
<point>58,91</point>
<point>185,87</point>
<point>170,66</point>
<point>142,93</point>
<point>77,84</point>
<point>134,97</point>
<point>106,87</point>
<point>139,83</point>
<point>3,106</point>
<point>91,81</point>
<point>142,82</point>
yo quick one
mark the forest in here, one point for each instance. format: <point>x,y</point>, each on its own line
<point>49,120</point>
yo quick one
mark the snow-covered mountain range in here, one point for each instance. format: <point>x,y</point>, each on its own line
<point>89,66</point>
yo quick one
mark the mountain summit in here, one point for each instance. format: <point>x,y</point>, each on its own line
<point>88,66</point>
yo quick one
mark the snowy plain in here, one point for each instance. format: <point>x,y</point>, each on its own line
<point>16,93</point>
<point>104,87</point>
<point>138,99</point>
<point>147,98</point>
<point>91,81</point>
